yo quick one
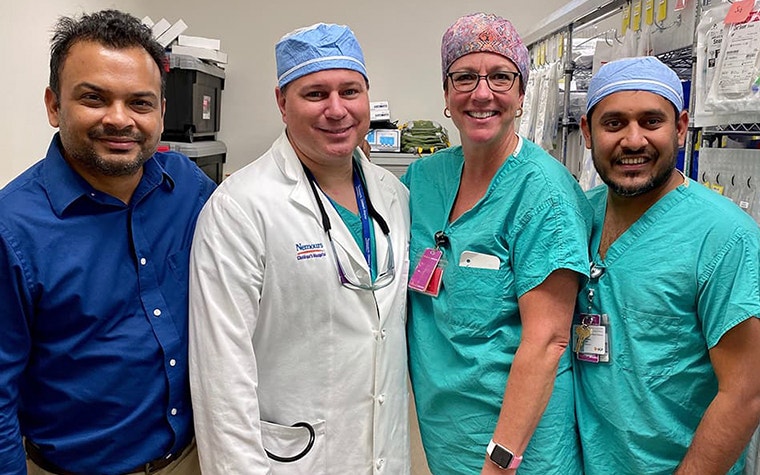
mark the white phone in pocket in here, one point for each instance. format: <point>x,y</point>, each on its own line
<point>478,260</point>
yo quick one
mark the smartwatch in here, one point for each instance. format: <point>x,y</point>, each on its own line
<point>502,456</point>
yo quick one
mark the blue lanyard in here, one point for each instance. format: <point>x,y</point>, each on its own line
<point>361,202</point>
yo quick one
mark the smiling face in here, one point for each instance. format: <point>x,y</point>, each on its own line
<point>110,109</point>
<point>482,116</point>
<point>326,114</point>
<point>634,138</point>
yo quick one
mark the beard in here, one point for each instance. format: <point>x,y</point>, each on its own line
<point>84,153</point>
<point>660,175</point>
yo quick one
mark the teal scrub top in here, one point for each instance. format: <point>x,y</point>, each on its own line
<point>674,283</point>
<point>535,219</point>
<point>354,224</point>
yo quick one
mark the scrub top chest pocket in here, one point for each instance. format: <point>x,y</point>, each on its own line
<point>478,299</point>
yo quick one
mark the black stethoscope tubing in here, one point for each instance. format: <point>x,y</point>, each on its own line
<point>326,219</point>
<point>300,455</point>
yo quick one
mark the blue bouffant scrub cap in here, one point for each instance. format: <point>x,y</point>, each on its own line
<point>635,74</point>
<point>316,48</point>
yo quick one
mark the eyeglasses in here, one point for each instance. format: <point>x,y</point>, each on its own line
<point>498,81</point>
<point>347,277</point>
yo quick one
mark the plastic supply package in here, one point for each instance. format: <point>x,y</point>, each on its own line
<point>574,152</point>
<point>530,104</point>
<point>734,93</point>
<point>588,178</point>
<point>644,45</point>
<point>540,110</point>
<point>710,32</point>
<point>547,116</point>
<point>583,52</point>
<point>583,60</point>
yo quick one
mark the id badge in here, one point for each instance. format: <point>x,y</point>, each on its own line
<point>595,347</point>
<point>426,277</point>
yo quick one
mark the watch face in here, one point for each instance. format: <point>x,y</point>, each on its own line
<point>501,456</point>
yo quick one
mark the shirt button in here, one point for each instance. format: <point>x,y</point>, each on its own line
<point>383,336</point>
<point>157,312</point>
<point>381,399</point>
<point>174,411</point>
<point>143,261</point>
<point>172,362</point>
<point>380,463</point>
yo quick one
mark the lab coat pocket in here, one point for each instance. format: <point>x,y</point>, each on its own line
<point>291,446</point>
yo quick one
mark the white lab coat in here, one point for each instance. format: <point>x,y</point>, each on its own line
<point>276,340</point>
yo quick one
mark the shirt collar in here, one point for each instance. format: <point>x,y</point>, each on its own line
<point>64,186</point>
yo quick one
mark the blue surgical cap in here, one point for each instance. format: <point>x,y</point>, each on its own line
<point>635,74</point>
<point>316,48</point>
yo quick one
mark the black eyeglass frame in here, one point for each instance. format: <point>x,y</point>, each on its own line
<point>515,76</point>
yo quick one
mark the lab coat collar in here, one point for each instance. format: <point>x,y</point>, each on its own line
<point>383,195</point>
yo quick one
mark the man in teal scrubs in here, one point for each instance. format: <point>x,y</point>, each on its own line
<point>667,379</point>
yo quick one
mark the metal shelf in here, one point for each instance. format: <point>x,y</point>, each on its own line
<point>680,60</point>
<point>576,13</point>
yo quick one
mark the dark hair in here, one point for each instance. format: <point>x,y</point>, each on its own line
<point>111,28</point>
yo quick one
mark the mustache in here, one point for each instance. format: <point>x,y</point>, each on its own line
<point>113,132</point>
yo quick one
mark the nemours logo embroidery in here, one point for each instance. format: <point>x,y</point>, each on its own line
<point>310,251</point>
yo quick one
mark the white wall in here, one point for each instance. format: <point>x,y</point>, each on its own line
<point>401,42</point>
<point>24,50</point>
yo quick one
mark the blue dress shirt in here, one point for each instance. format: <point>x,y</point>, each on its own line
<point>93,312</point>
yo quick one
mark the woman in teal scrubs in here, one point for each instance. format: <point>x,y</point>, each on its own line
<point>488,354</point>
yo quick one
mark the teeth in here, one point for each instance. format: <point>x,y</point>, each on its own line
<point>632,161</point>
<point>481,115</point>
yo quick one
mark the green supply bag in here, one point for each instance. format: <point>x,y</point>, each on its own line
<point>423,136</point>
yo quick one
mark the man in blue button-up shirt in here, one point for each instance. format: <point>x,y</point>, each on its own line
<point>94,246</point>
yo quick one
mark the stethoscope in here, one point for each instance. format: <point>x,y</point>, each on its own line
<point>326,225</point>
<point>300,455</point>
<point>367,211</point>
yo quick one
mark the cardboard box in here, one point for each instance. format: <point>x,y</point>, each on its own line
<point>379,111</point>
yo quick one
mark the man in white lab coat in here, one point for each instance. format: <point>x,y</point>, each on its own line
<point>298,276</point>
